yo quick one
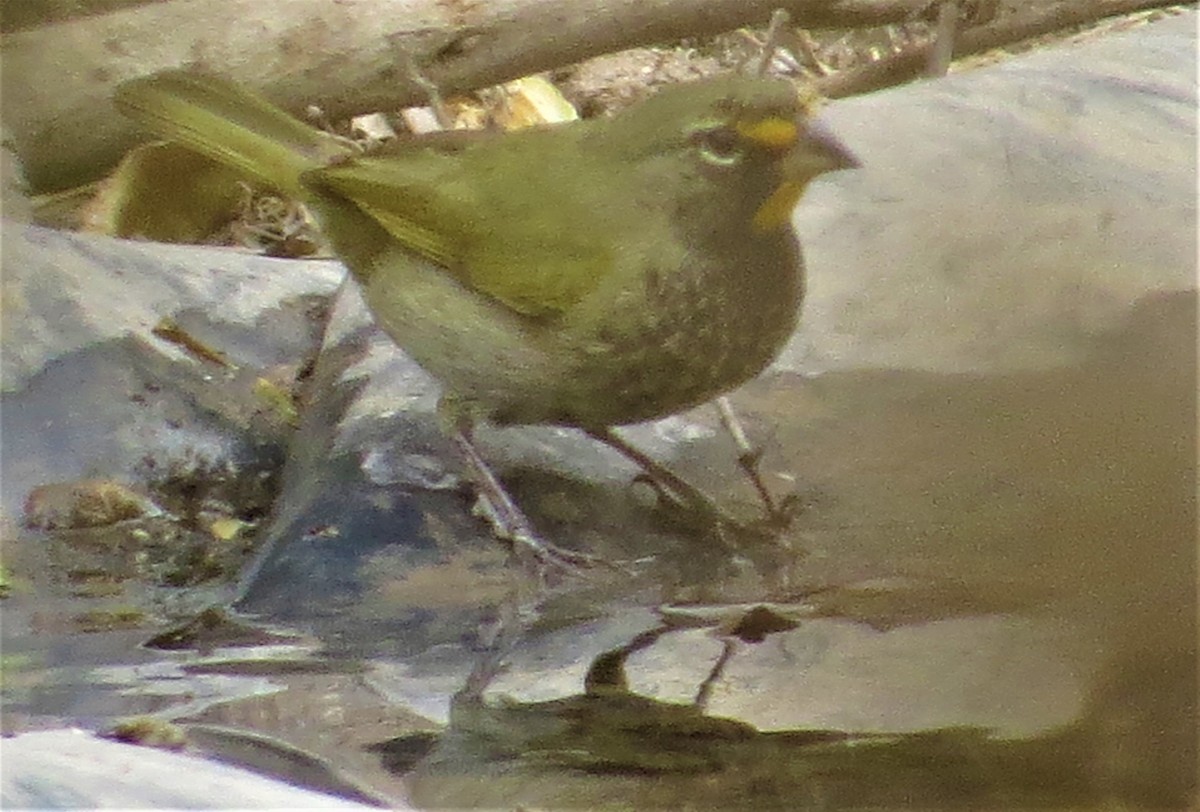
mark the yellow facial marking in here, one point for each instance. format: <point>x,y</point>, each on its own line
<point>776,211</point>
<point>773,133</point>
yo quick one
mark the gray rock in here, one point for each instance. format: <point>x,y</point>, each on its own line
<point>73,769</point>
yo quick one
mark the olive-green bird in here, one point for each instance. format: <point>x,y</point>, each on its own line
<point>590,274</point>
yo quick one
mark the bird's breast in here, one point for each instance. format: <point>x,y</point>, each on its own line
<point>675,337</point>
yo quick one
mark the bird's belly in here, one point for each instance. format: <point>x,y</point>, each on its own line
<point>631,364</point>
<point>678,359</point>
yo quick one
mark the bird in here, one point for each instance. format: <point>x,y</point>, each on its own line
<point>590,274</point>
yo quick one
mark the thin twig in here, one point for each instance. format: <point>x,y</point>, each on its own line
<point>779,19</point>
<point>436,103</point>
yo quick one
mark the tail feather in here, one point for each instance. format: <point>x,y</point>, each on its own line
<point>229,124</point>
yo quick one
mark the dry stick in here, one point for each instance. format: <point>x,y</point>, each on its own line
<point>779,18</point>
<point>801,43</point>
<point>909,64</point>
<point>436,104</point>
<point>943,40</point>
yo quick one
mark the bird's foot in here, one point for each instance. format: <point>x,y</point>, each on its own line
<point>509,523</point>
<point>778,515</point>
<point>693,508</point>
<point>542,556</point>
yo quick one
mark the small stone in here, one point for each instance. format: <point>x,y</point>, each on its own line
<point>84,503</point>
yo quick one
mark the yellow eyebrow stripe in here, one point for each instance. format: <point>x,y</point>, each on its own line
<point>771,132</point>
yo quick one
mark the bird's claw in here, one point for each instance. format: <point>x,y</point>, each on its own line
<point>549,557</point>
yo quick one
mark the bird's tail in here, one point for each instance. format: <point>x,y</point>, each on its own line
<point>229,124</point>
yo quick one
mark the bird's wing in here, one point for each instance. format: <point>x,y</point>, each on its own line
<point>503,223</point>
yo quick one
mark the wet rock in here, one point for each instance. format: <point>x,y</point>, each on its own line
<point>65,769</point>
<point>89,386</point>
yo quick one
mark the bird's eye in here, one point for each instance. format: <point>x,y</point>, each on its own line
<point>718,145</point>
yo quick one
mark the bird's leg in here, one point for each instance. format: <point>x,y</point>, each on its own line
<point>684,494</point>
<point>779,514</point>
<point>748,455</point>
<point>509,521</point>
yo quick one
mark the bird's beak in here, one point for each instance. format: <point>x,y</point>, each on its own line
<point>818,150</point>
<point>813,151</point>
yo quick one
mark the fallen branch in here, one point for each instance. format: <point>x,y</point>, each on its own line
<point>348,57</point>
<point>912,62</point>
